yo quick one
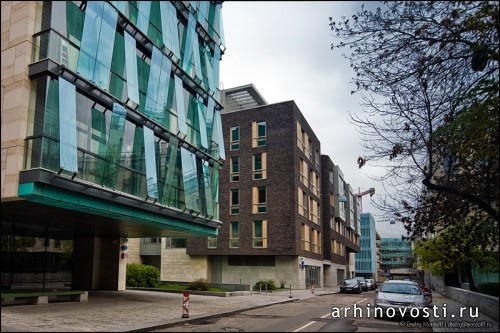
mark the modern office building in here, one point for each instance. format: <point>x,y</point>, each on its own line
<point>366,258</point>
<point>396,256</point>
<point>111,129</point>
<point>282,217</point>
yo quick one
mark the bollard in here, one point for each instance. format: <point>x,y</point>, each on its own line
<point>266,288</point>
<point>290,292</point>
<point>185,305</point>
<point>260,288</point>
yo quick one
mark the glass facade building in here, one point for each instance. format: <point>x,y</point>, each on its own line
<point>395,253</point>
<point>366,259</point>
<point>121,132</point>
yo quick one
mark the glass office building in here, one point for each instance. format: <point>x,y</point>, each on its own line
<point>112,114</point>
<point>366,259</point>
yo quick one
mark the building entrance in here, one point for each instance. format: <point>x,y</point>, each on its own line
<point>313,276</point>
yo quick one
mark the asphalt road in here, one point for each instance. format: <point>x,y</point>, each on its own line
<point>306,315</point>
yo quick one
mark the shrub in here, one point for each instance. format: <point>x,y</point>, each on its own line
<point>199,284</point>
<point>145,276</point>
<point>489,288</point>
<point>262,283</point>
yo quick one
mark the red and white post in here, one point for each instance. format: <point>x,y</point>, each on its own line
<point>185,305</point>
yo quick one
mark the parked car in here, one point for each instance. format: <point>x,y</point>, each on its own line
<point>399,298</point>
<point>371,284</point>
<point>362,281</point>
<point>351,286</point>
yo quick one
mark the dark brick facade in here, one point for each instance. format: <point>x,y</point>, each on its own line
<point>327,211</point>
<point>282,182</point>
<point>283,179</point>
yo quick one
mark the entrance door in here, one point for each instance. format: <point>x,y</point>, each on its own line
<point>313,276</point>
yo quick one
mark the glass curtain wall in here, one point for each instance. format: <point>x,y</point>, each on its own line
<point>134,108</point>
<point>169,77</point>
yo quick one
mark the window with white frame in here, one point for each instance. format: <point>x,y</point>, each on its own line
<point>259,234</point>
<point>234,234</point>
<point>235,138</point>
<point>235,169</point>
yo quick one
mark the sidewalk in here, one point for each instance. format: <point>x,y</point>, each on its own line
<point>137,310</point>
<point>456,317</point>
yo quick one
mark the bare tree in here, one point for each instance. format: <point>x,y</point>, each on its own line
<point>428,76</point>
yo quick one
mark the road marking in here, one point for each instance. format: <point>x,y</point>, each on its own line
<point>306,325</point>
<point>322,317</point>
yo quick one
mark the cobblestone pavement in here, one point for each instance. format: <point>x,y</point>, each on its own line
<point>138,310</point>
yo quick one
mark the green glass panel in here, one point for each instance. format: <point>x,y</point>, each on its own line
<point>207,189</point>
<point>190,180</point>
<point>171,118</point>
<point>131,65</point>
<point>113,152</point>
<point>50,147</point>
<point>143,16</point>
<point>202,124</point>
<point>67,116</point>
<point>150,156</point>
<point>215,66</point>
<point>138,164</point>
<point>217,137</point>
<point>89,41</point>
<point>51,119</point>
<point>118,60</point>
<point>96,51</point>
<point>203,13</point>
<point>154,29</point>
<point>158,84</point>
<point>192,50</point>
<point>105,47</point>
<point>215,190</point>
<point>74,18</point>
<point>120,5</point>
<point>170,191</point>
<point>192,119</point>
<point>161,165</point>
<point>98,143</point>
<point>209,116</point>
<point>143,72</point>
<point>181,111</point>
<point>219,24</point>
<point>117,82</point>
<point>208,71</point>
<point>170,31</point>
<point>133,12</point>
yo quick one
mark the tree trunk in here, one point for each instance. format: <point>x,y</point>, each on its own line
<point>470,278</point>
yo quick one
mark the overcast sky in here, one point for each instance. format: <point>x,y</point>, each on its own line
<point>283,49</point>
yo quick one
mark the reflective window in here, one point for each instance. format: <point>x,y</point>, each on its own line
<point>235,201</point>
<point>235,169</point>
<point>259,166</point>
<point>259,234</point>
<point>234,234</point>
<point>150,156</point>
<point>235,138</point>
<point>67,116</point>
